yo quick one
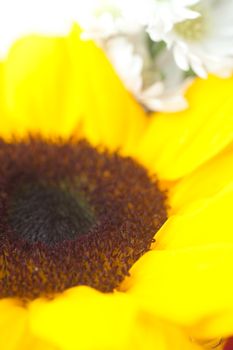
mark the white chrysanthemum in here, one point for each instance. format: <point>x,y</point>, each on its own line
<point>127,63</point>
<point>205,44</point>
<point>157,83</point>
<point>101,19</point>
<point>166,95</point>
<point>159,16</point>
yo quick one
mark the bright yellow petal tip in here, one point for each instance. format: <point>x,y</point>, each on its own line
<point>191,287</point>
<point>176,144</point>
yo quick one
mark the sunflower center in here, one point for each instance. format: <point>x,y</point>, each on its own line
<point>48,214</point>
<point>72,215</point>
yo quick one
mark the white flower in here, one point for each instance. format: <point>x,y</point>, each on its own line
<point>101,19</point>
<point>157,83</point>
<point>127,63</point>
<point>166,95</point>
<point>205,44</point>
<point>159,16</point>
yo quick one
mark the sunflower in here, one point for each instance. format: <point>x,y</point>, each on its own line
<point>115,227</point>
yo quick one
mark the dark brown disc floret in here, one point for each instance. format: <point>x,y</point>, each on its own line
<point>72,215</point>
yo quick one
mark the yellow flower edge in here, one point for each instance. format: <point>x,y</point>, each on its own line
<point>69,98</point>
<point>179,295</point>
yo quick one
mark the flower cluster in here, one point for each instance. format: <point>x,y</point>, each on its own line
<point>158,46</point>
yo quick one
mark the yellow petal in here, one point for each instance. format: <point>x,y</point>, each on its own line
<point>191,287</point>
<point>82,318</point>
<point>56,86</point>
<point>110,114</point>
<point>7,123</point>
<point>202,222</point>
<point>151,333</point>
<point>13,321</point>
<point>36,77</point>
<point>14,332</point>
<point>206,181</point>
<point>37,344</point>
<point>176,144</point>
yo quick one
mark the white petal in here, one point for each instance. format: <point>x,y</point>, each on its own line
<point>212,52</point>
<point>181,58</point>
<point>199,68</point>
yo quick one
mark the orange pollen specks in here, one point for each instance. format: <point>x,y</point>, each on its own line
<point>72,215</point>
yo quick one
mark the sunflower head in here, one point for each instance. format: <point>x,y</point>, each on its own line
<point>81,173</point>
<point>72,215</point>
